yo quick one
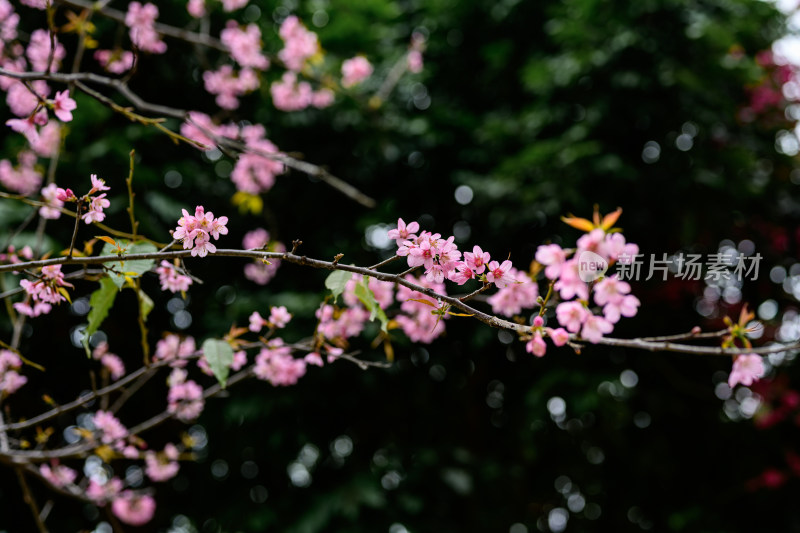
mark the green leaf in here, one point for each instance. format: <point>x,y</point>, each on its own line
<point>129,268</point>
<point>336,282</point>
<point>219,355</point>
<point>100,302</point>
<point>367,297</point>
<point>145,304</point>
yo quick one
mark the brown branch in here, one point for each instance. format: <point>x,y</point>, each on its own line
<point>163,29</point>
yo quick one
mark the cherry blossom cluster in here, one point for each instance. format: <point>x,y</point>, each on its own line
<point>11,255</point>
<point>141,20</point>
<point>563,268</point>
<point>111,362</point>
<point>10,378</point>
<point>131,507</point>
<point>261,271</point>
<point>94,203</point>
<point>197,230</point>
<point>171,279</point>
<point>253,173</point>
<point>355,70</point>
<point>43,293</point>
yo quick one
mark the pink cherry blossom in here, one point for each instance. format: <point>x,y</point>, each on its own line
<point>747,369</point>
<point>299,44</point>
<point>536,345</point>
<point>275,364</point>
<point>141,20</point>
<point>39,49</point>
<point>115,61</point>
<point>572,315</point>
<point>290,95</point>
<point>477,259</point>
<point>229,85</point>
<point>569,282</point>
<point>171,279</point>
<point>403,232</point>
<point>279,316</point>
<point>185,400</point>
<point>559,336</point>
<point>102,493</point>
<point>256,322</point>
<point>162,466</point>
<point>355,70</point>
<point>50,197</point>
<point>63,106</point>
<point>621,306</point>
<point>134,509</point>
<point>245,45</point>
<point>552,256</point>
<point>196,8</point>
<point>594,327</point>
<point>109,427</point>
<point>514,297</point>
<point>58,475</point>
<point>499,274</point>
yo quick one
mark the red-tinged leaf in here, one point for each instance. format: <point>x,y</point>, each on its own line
<point>578,223</point>
<point>610,219</point>
<point>420,300</point>
<point>109,240</point>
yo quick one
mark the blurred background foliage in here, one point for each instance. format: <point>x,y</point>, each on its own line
<point>531,110</point>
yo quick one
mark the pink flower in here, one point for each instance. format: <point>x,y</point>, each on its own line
<point>196,8</point>
<point>279,316</point>
<point>171,279</point>
<point>499,274</point>
<point>105,492</point>
<point>233,5</point>
<point>244,45</point>
<point>109,427</point>
<point>747,369</point>
<point>569,283</point>
<point>322,98</point>
<point>256,322</point>
<point>621,306</point>
<point>39,49</point>
<point>141,20</point>
<point>58,475</point>
<point>559,336</point>
<point>185,400</point>
<point>511,299</point>
<point>134,509</point>
<point>63,106</point>
<point>95,212</point>
<point>355,70</point>
<point>403,232</point>
<point>536,345</point>
<point>572,315</point>
<point>98,185</point>
<point>299,44</point>
<point>594,327</point>
<point>50,197</point>
<point>313,358</point>
<point>552,256</point>
<point>162,466</point>
<point>276,365</point>
<point>290,95</point>
<point>477,260</point>
<point>115,61</point>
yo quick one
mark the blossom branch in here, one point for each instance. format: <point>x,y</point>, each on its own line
<point>641,343</point>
